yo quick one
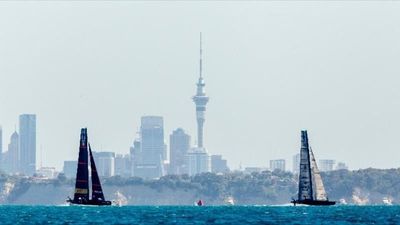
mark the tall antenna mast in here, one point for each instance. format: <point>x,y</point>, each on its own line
<point>201,57</point>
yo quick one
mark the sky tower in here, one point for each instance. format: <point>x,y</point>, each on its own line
<point>200,100</point>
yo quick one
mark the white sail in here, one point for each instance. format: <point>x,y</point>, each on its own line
<point>319,189</point>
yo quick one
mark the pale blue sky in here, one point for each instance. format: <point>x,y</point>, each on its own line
<point>271,68</point>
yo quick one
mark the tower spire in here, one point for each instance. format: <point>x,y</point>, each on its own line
<point>201,57</point>
<point>200,100</point>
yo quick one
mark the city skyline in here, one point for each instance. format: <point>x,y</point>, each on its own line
<point>267,81</point>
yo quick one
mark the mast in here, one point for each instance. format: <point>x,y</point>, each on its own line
<point>82,173</point>
<point>97,191</point>
<point>305,177</point>
<point>320,193</point>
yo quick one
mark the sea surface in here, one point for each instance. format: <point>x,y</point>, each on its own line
<point>199,215</point>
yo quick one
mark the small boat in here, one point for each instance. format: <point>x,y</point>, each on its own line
<point>229,200</point>
<point>199,203</point>
<point>311,188</point>
<point>342,201</point>
<point>81,195</point>
<point>387,201</point>
<point>120,200</point>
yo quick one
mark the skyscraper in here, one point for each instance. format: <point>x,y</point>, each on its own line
<point>277,164</point>
<point>105,163</point>
<point>341,166</point>
<point>122,165</point>
<point>69,168</point>
<point>218,164</point>
<point>27,143</point>
<point>179,143</point>
<point>152,147</point>
<point>200,100</point>
<point>136,157</point>
<point>296,163</point>
<point>326,165</point>
<point>11,159</point>
<point>197,161</point>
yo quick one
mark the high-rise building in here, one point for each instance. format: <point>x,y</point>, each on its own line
<point>218,164</point>
<point>296,163</point>
<point>152,148</point>
<point>11,158</point>
<point>70,168</point>
<point>179,142</point>
<point>27,143</point>
<point>136,157</point>
<point>249,170</point>
<point>341,166</point>
<point>105,163</point>
<point>122,165</point>
<point>277,164</point>
<point>46,172</point>
<point>326,165</point>
<point>197,161</point>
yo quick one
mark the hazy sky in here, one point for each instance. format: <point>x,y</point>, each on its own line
<point>271,68</point>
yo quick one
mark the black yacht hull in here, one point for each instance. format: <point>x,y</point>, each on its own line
<point>90,202</point>
<point>313,202</point>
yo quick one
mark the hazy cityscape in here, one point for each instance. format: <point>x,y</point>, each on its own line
<point>199,112</point>
<point>150,155</point>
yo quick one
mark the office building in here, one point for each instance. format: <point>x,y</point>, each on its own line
<point>197,161</point>
<point>341,166</point>
<point>152,148</point>
<point>296,163</point>
<point>218,164</point>
<point>105,163</point>
<point>46,172</point>
<point>277,164</point>
<point>11,158</point>
<point>179,142</point>
<point>249,170</point>
<point>326,165</point>
<point>136,157</point>
<point>70,168</point>
<point>27,143</point>
<point>122,165</point>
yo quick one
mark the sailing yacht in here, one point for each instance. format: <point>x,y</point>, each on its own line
<point>81,195</point>
<point>311,187</point>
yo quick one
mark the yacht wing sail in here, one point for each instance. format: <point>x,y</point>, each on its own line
<point>82,174</point>
<point>305,178</point>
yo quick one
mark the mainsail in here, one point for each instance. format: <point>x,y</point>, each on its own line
<point>319,189</point>
<point>82,174</point>
<point>305,178</point>
<point>97,191</point>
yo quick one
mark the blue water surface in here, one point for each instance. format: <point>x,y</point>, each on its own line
<point>199,215</point>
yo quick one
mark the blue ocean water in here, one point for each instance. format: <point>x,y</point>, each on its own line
<point>199,215</point>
